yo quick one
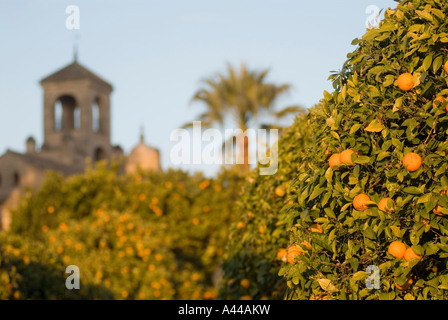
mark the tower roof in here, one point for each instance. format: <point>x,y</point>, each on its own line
<point>74,71</point>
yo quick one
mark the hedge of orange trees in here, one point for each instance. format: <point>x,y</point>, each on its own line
<point>259,235</point>
<point>373,187</point>
<point>146,236</point>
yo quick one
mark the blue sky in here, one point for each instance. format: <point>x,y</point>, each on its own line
<point>156,52</point>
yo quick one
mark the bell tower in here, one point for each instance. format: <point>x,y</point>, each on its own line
<point>76,115</point>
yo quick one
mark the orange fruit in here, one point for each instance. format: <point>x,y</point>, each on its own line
<point>446,67</point>
<point>382,205</point>
<point>334,160</point>
<point>245,283</point>
<point>240,225</point>
<point>282,254</point>
<point>293,252</point>
<point>409,254</point>
<point>406,286</point>
<point>279,191</point>
<point>346,156</point>
<point>316,228</point>
<point>359,202</point>
<point>397,249</point>
<point>441,100</point>
<point>405,81</point>
<point>412,161</point>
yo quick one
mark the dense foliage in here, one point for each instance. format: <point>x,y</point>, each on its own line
<point>252,264</point>
<point>146,236</point>
<point>372,113</point>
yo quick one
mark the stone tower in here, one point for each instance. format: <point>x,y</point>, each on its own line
<point>76,116</point>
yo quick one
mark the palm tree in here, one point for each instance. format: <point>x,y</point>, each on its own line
<point>241,97</point>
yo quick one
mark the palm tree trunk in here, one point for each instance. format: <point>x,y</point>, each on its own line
<point>246,164</point>
<point>243,150</point>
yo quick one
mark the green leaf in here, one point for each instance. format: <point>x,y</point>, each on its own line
<point>321,240</point>
<point>388,80</point>
<point>437,63</point>
<point>355,128</point>
<point>427,62</point>
<point>387,296</point>
<point>382,155</point>
<point>397,105</point>
<point>412,190</point>
<point>396,230</point>
<point>329,175</point>
<point>418,250</point>
<point>316,192</point>
<point>425,198</point>
<point>335,135</point>
<point>326,285</point>
<point>360,275</point>
<point>330,213</point>
<point>369,233</point>
<point>362,160</point>
<point>327,96</point>
<point>374,126</point>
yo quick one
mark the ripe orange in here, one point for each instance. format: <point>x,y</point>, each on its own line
<point>245,283</point>
<point>397,249</point>
<point>382,205</point>
<point>316,228</point>
<point>359,202</point>
<point>409,254</point>
<point>405,81</point>
<point>346,156</point>
<point>282,254</point>
<point>279,191</point>
<point>446,67</point>
<point>334,160</point>
<point>412,161</point>
<point>406,285</point>
<point>293,252</point>
<point>440,101</point>
<point>240,225</point>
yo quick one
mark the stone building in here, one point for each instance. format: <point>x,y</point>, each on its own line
<point>76,106</point>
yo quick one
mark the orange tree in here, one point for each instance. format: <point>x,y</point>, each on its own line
<point>382,117</point>
<point>254,254</point>
<point>144,236</point>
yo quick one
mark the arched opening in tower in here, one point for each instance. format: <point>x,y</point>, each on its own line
<point>96,115</point>
<point>67,114</point>
<point>100,154</point>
